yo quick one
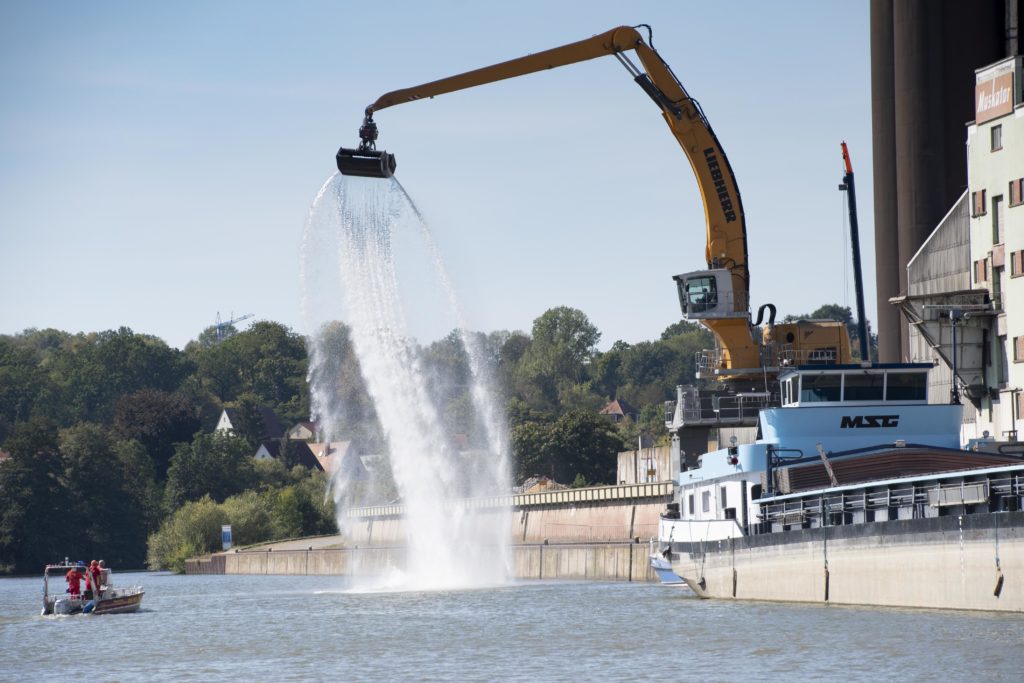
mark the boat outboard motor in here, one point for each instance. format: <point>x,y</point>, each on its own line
<point>366,161</point>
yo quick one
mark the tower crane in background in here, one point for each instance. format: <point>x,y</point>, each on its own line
<point>222,326</point>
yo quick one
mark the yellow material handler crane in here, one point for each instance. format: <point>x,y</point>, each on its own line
<point>719,296</point>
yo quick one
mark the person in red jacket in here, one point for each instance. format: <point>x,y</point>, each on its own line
<point>92,579</point>
<point>74,579</point>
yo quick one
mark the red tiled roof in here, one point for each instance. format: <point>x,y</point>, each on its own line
<point>619,407</point>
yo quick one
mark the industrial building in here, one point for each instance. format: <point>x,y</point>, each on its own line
<point>948,219</point>
<point>965,285</point>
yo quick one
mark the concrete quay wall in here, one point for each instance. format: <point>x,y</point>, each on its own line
<point>588,533</point>
<point>601,521</point>
<point>943,563</point>
<point>617,561</point>
<point>600,513</point>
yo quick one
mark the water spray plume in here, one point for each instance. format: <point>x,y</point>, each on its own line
<point>349,273</point>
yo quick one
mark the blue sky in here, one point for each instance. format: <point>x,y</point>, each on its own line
<point>157,160</point>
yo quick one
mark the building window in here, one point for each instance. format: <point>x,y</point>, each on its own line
<point>1016,263</point>
<point>998,222</point>
<point>1017,192</point>
<point>1018,349</point>
<point>978,207</point>
<point>1003,369</point>
<point>689,501</point>
<point>997,287</point>
<point>981,270</point>
<point>705,501</point>
<point>997,138</point>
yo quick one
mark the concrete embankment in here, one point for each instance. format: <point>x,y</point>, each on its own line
<point>589,533</point>
<point>609,561</point>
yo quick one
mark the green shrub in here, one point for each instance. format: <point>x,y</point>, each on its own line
<point>193,530</point>
<point>249,516</point>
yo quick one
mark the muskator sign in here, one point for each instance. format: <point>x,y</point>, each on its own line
<point>993,92</point>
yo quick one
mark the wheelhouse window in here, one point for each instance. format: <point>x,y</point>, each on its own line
<point>701,294</point>
<point>820,388</point>
<point>689,502</point>
<point>705,501</point>
<point>906,386</point>
<point>863,387</point>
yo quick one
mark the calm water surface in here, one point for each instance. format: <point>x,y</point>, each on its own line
<point>313,628</point>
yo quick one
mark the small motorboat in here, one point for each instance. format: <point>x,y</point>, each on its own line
<point>107,600</point>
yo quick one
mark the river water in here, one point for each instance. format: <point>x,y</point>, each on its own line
<point>261,628</point>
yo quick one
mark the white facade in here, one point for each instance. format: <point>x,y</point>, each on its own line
<point>995,171</point>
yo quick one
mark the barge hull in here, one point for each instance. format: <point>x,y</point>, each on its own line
<point>969,562</point>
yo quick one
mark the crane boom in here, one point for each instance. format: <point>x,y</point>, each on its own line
<point>723,208</point>
<point>717,297</point>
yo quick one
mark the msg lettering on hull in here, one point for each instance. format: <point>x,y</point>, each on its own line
<point>869,421</point>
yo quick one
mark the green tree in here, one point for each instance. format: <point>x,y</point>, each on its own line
<point>606,369</point>
<point>95,370</point>
<point>563,341</point>
<point>650,424</point>
<point>302,510</point>
<point>36,524</point>
<point>158,420</point>
<point>266,360</point>
<point>218,465</point>
<point>21,382</point>
<point>575,444</point>
<point>248,513</point>
<point>248,421</point>
<point>109,486</point>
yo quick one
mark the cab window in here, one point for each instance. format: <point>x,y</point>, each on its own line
<point>701,294</point>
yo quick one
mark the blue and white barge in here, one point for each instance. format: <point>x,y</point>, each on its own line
<point>853,472</point>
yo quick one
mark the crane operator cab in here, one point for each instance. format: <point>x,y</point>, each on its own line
<point>709,294</point>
